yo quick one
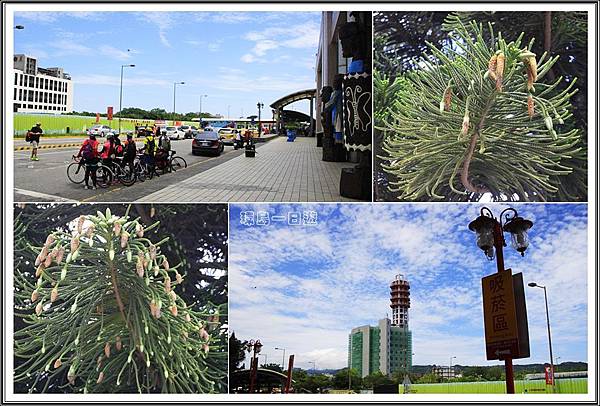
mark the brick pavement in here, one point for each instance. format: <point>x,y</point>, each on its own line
<point>281,172</point>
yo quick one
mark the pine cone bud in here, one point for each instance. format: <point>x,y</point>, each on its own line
<point>139,230</point>
<point>173,310</point>
<point>117,229</point>
<point>205,348</point>
<point>54,295</point>
<point>124,238</point>
<point>500,71</point>
<point>204,336</point>
<point>48,261</point>
<point>167,284</point>
<point>152,250</point>
<point>90,231</point>
<point>107,350</point>
<point>447,98</point>
<point>80,222</point>
<point>59,255</point>
<point>100,377</point>
<point>139,267</point>
<point>178,277</point>
<point>74,243</point>
<point>530,106</point>
<point>118,344</point>
<point>465,124</point>
<point>173,295</point>
<point>492,67</point>
<point>39,270</point>
<point>39,308</point>
<point>187,317</point>
<point>165,264</point>
<point>57,363</point>
<point>34,296</point>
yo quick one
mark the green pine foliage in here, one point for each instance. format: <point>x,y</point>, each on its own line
<point>105,313</point>
<point>455,131</point>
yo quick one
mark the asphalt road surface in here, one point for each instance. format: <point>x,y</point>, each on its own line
<point>46,180</point>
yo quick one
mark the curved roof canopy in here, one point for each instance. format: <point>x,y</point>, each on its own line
<point>293,97</point>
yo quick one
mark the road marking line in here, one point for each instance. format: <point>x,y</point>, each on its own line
<point>53,198</point>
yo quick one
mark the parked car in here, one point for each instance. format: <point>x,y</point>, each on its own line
<point>207,141</point>
<point>172,132</point>
<point>185,131</point>
<point>100,130</point>
<point>228,135</point>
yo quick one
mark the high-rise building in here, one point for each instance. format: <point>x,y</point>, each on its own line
<point>386,347</point>
<point>400,301</point>
<point>40,90</point>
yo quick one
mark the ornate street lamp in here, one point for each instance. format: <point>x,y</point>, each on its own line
<point>490,239</point>
<point>253,346</point>
<point>260,106</point>
<point>489,231</point>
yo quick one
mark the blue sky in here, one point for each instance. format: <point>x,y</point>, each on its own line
<point>304,288</point>
<point>237,59</point>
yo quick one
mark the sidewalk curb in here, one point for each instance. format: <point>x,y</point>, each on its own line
<point>65,145</point>
<point>70,145</point>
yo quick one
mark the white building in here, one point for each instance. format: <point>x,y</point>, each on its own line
<point>40,90</point>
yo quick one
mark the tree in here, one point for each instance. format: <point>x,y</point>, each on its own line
<point>274,367</point>
<point>342,379</point>
<point>429,378</point>
<point>237,353</point>
<point>108,312</point>
<point>376,379</point>
<point>480,121</point>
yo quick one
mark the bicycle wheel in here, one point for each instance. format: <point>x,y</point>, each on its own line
<point>104,176</point>
<point>126,176</point>
<point>76,172</point>
<point>178,163</point>
<point>139,172</point>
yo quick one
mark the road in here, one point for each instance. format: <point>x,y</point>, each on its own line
<point>46,180</point>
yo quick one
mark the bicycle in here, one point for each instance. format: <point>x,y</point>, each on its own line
<point>122,172</point>
<point>176,162</point>
<point>76,170</point>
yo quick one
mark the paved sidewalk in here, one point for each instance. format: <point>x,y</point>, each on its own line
<point>281,172</point>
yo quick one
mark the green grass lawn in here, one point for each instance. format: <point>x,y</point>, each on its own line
<point>575,385</point>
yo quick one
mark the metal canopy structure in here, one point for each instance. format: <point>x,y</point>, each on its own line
<point>279,104</point>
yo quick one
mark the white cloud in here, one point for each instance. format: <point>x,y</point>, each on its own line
<point>305,288</point>
<point>248,58</point>
<point>108,80</point>
<point>303,35</point>
<point>228,17</point>
<point>115,53</point>
<point>51,16</point>
<point>162,20</point>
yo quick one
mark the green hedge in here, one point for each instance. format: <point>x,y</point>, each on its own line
<point>58,124</point>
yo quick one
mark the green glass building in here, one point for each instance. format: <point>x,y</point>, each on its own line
<point>386,347</point>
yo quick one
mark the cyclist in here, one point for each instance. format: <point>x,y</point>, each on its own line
<point>129,152</point>
<point>149,150</point>
<point>89,153</point>
<point>108,151</point>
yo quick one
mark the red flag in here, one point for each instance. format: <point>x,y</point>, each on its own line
<point>97,117</point>
<point>109,113</point>
<point>549,373</point>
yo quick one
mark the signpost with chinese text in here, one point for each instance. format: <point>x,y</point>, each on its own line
<point>502,313</point>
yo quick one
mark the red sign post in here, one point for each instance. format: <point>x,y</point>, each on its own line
<point>549,373</point>
<point>109,113</point>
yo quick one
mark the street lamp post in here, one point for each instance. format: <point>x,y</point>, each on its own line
<point>283,358</point>
<point>535,285</point>
<point>450,369</point>
<point>121,94</point>
<point>200,112</point>
<point>490,238</point>
<point>260,106</point>
<point>174,92</point>
<point>265,355</point>
<point>314,364</point>
<point>253,346</point>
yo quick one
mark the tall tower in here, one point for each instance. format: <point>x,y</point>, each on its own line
<point>400,301</point>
